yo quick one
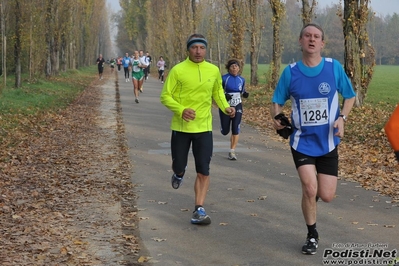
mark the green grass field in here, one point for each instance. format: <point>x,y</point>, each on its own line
<point>19,107</point>
<point>383,87</point>
<point>44,95</point>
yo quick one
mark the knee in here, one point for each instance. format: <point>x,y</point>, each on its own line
<point>202,176</point>
<point>202,171</point>
<point>309,191</point>
<point>327,197</point>
<point>225,132</point>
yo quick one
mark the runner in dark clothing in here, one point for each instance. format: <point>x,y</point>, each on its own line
<point>100,65</point>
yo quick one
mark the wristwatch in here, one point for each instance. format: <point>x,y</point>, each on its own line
<point>343,117</point>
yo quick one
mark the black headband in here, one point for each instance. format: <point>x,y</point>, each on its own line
<point>232,63</point>
<point>196,40</point>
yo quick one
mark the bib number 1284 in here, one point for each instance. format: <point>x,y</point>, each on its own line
<point>314,111</point>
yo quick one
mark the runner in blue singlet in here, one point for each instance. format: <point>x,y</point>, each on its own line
<point>313,85</point>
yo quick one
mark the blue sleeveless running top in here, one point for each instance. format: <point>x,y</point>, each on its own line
<point>314,94</point>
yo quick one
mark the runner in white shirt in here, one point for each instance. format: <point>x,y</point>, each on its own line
<point>144,64</point>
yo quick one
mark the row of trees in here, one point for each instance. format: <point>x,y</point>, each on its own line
<point>134,27</point>
<point>44,37</point>
<point>261,31</point>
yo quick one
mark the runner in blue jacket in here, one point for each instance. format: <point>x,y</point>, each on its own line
<point>234,89</point>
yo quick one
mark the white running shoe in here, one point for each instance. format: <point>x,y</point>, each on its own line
<point>232,156</point>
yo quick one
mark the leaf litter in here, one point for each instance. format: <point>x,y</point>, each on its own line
<point>66,196</point>
<point>65,192</point>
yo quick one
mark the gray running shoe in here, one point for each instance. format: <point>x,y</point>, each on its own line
<point>232,156</point>
<point>200,217</point>
<point>176,181</point>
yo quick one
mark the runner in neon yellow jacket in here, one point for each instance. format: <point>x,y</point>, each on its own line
<point>193,85</point>
<point>189,91</point>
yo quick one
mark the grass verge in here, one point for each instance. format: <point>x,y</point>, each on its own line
<point>21,108</point>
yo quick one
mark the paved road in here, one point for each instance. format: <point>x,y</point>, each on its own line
<point>254,202</point>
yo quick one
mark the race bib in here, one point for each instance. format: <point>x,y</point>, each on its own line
<point>235,99</point>
<point>314,112</point>
<point>136,67</point>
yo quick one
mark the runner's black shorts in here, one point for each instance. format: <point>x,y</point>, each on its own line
<point>202,148</point>
<point>226,121</point>
<point>325,164</point>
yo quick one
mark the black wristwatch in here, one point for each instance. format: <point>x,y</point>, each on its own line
<point>343,117</point>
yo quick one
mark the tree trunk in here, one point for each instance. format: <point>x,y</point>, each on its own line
<point>17,44</point>
<point>49,37</point>
<point>30,47</point>
<point>237,31</point>
<point>4,47</point>
<point>255,33</point>
<point>195,19</point>
<point>278,11</point>
<point>359,55</point>
<point>55,64</point>
<point>308,11</point>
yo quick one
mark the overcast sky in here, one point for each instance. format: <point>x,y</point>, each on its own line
<point>114,4</point>
<point>383,7</point>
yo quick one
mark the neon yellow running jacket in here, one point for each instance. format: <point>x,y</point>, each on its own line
<point>193,85</point>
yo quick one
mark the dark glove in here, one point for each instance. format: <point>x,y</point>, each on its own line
<point>245,94</point>
<point>397,155</point>
<point>228,96</point>
<point>284,121</point>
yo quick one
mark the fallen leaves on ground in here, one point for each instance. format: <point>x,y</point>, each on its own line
<point>65,190</point>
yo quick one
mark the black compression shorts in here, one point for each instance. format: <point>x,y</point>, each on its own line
<point>325,164</point>
<point>202,148</point>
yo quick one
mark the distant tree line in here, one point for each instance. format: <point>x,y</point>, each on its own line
<point>261,31</point>
<point>44,37</point>
<point>157,26</point>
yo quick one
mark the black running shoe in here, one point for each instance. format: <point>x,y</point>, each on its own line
<point>311,244</point>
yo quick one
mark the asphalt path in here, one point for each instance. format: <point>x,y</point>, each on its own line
<point>254,202</point>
